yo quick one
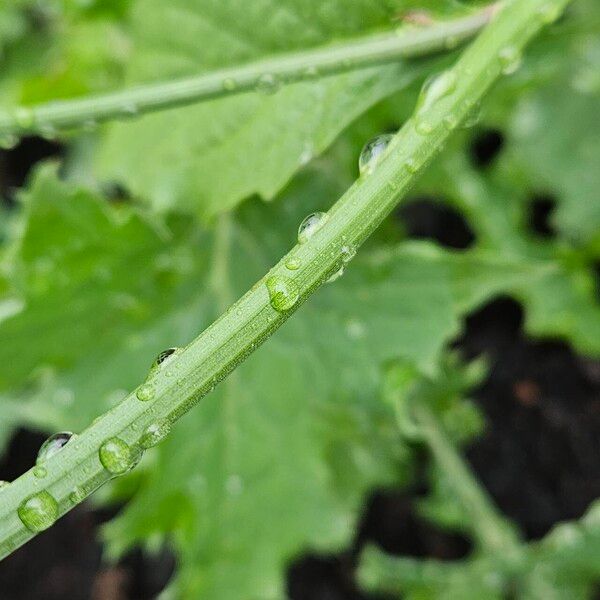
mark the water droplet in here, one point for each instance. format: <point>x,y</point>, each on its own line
<point>450,122</point>
<point>310,225</point>
<point>510,60</point>
<point>310,72</point>
<point>116,456</point>
<point>411,166</point>
<point>155,433</point>
<point>129,110</point>
<point>435,88</point>
<point>283,292</point>
<point>38,512</point>
<point>372,153</point>
<point>348,253</point>
<point>164,357</point>
<point>77,495</point>
<point>336,275</point>
<point>229,84</point>
<point>267,83</point>
<point>293,264</point>
<point>24,117</point>
<point>40,471</point>
<point>53,445</point>
<point>473,116</point>
<point>8,141</point>
<point>145,392</point>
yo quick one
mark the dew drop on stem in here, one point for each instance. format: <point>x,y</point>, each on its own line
<point>372,152</point>
<point>510,59</point>
<point>116,456</point>
<point>267,84</point>
<point>38,512</point>
<point>434,89</point>
<point>155,433</point>
<point>52,445</point>
<point>145,392</point>
<point>283,292</point>
<point>310,225</point>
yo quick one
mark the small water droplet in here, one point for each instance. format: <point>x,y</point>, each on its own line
<point>473,116</point>
<point>116,456</point>
<point>155,433</point>
<point>293,264</point>
<point>372,152</point>
<point>77,495</point>
<point>40,471</point>
<point>267,83</point>
<point>310,225</point>
<point>411,166</point>
<point>336,275</point>
<point>450,122</point>
<point>510,60</point>
<point>38,512</point>
<point>283,292</point>
<point>145,392</point>
<point>8,141</point>
<point>53,445</point>
<point>310,73</point>
<point>129,110</point>
<point>348,253</point>
<point>229,84</point>
<point>24,117</point>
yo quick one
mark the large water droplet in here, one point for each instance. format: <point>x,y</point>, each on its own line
<point>155,433</point>
<point>145,392</point>
<point>164,357</point>
<point>116,456</point>
<point>52,445</point>
<point>267,83</point>
<point>510,60</point>
<point>38,512</point>
<point>372,152</point>
<point>283,292</point>
<point>310,225</point>
<point>435,88</point>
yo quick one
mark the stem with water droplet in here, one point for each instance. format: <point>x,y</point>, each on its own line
<point>286,68</point>
<point>76,471</point>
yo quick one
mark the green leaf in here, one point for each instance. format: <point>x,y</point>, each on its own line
<point>207,158</point>
<point>300,423</point>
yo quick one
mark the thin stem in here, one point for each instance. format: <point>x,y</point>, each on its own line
<point>252,319</point>
<point>493,532</point>
<point>285,68</point>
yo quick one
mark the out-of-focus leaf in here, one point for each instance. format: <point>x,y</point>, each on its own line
<point>207,158</point>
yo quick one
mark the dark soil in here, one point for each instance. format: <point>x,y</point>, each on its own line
<point>538,457</point>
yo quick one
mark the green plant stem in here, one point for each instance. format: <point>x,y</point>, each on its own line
<point>285,68</point>
<point>251,320</point>
<point>492,531</point>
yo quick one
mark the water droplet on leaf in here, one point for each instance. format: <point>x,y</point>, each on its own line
<point>372,153</point>
<point>336,275</point>
<point>283,292</point>
<point>293,264</point>
<point>38,512</point>
<point>348,253</point>
<point>164,357</point>
<point>229,84</point>
<point>116,456</point>
<point>510,60</point>
<point>267,83</point>
<point>53,445</point>
<point>155,433</point>
<point>310,225</point>
<point>145,392</point>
